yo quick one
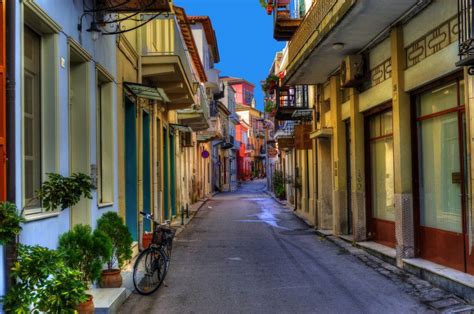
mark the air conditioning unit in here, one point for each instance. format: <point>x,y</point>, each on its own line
<point>352,71</point>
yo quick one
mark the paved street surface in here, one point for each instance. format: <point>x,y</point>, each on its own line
<point>244,253</point>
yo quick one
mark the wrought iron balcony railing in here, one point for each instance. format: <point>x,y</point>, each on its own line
<point>314,17</point>
<point>293,103</point>
<point>284,22</point>
<point>466,34</point>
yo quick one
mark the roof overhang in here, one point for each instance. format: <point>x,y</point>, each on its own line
<point>194,119</point>
<point>356,24</point>
<point>147,92</point>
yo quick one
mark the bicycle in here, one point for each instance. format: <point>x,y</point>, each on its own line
<point>152,264</point>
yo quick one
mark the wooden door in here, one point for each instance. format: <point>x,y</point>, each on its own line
<point>146,168</point>
<point>131,174</point>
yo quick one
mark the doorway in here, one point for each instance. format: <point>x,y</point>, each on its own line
<point>146,168</point>
<point>172,176</point>
<point>79,139</point>
<point>442,191</point>
<point>166,185</point>
<point>131,173</point>
<point>349,176</point>
<point>380,174</point>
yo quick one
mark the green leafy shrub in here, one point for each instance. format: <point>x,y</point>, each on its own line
<point>269,106</point>
<point>43,283</point>
<point>86,251</point>
<point>59,192</point>
<point>279,182</point>
<point>112,225</point>
<point>10,221</point>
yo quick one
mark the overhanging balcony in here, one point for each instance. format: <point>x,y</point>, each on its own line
<point>311,56</point>
<point>466,34</point>
<point>285,135</point>
<point>197,117</point>
<point>292,103</point>
<point>213,80</point>
<point>213,132</point>
<point>165,61</point>
<point>284,24</point>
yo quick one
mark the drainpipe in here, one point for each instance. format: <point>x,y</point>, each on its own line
<point>10,249</point>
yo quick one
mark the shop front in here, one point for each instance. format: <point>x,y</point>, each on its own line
<point>441,171</point>
<point>380,172</point>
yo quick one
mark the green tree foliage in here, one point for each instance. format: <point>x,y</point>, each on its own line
<point>10,221</point>
<point>112,225</point>
<point>59,192</point>
<point>43,283</point>
<point>86,251</point>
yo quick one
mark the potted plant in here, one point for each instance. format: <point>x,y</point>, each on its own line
<point>269,106</point>
<point>43,283</point>
<point>112,225</point>
<point>85,251</point>
<point>10,221</point>
<point>267,5</point>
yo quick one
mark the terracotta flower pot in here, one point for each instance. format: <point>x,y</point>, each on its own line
<point>86,307</point>
<point>111,278</point>
<point>146,240</point>
<point>269,9</point>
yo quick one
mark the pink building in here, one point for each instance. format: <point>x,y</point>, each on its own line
<point>243,90</point>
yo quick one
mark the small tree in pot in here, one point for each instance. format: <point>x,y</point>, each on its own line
<point>112,225</point>
<point>86,251</point>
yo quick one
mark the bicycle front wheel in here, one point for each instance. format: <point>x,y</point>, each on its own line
<point>149,271</point>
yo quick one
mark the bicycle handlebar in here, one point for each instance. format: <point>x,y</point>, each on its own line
<point>150,217</point>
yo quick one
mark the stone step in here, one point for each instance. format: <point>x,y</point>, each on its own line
<point>108,300</point>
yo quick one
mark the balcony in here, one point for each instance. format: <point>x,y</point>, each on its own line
<point>350,22</point>
<point>214,131</point>
<point>466,34</point>
<point>134,6</point>
<point>213,80</point>
<point>165,61</point>
<point>197,117</point>
<point>293,103</point>
<point>284,24</point>
<point>285,136</point>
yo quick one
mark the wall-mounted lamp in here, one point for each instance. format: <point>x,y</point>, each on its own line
<point>338,46</point>
<point>94,30</point>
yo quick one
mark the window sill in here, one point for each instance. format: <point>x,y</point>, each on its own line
<point>103,205</point>
<point>40,216</point>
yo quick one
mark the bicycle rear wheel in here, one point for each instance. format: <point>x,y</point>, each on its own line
<point>149,271</point>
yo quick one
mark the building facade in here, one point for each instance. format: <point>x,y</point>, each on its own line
<point>390,125</point>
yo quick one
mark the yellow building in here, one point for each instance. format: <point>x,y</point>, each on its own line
<point>162,103</point>
<point>391,122</point>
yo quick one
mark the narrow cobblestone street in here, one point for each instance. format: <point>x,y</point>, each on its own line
<point>244,253</point>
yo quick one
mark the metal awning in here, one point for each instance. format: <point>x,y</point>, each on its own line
<point>180,127</point>
<point>302,114</point>
<point>147,92</point>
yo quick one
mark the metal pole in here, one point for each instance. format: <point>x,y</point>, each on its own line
<point>182,215</point>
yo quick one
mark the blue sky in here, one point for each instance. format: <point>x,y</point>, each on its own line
<point>245,37</point>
